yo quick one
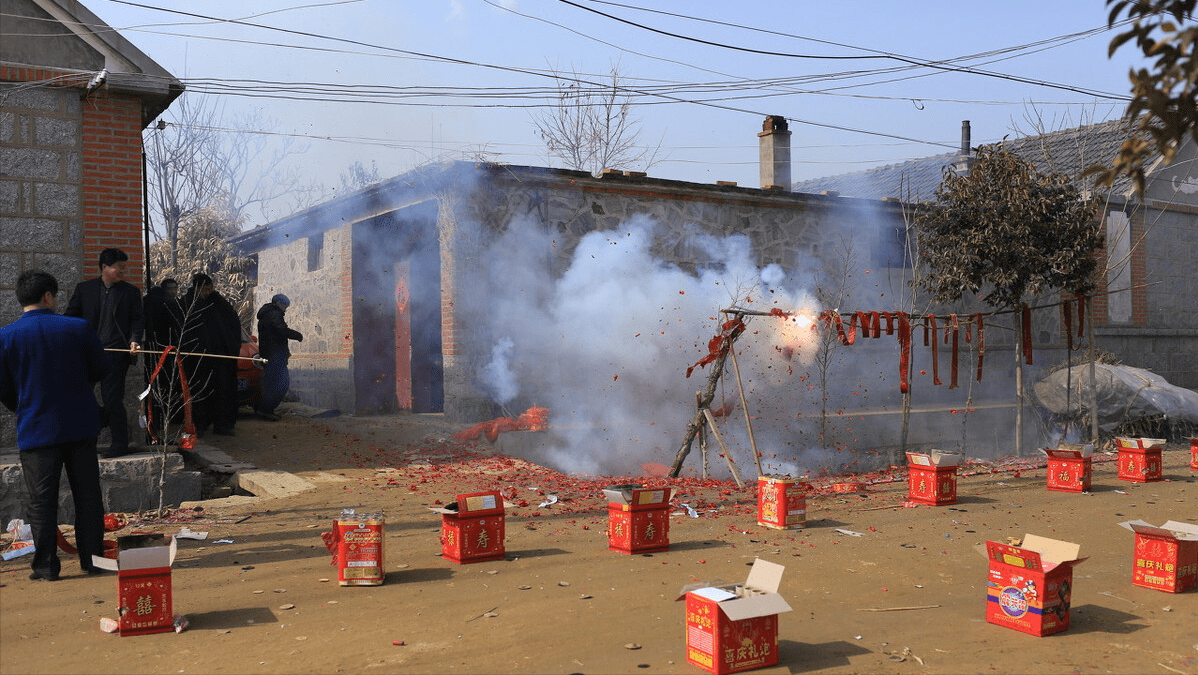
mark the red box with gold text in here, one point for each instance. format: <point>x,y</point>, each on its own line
<point>143,582</point>
<point>1165,557</point>
<point>1140,459</point>
<point>781,503</point>
<point>730,629</point>
<point>472,528</point>
<point>638,518</point>
<point>932,477</point>
<point>1070,467</point>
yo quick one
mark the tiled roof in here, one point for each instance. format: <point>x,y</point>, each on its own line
<point>1067,152</point>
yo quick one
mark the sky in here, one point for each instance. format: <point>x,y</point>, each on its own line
<point>400,83</point>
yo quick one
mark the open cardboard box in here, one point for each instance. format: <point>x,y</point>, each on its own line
<point>1029,587</point>
<point>1069,467</point>
<point>936,458</point>
<point>734,628</point>
<point>143,586</point>
<point>1165,557</point>
<point>637,497</point>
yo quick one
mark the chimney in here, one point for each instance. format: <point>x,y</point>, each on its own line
<point>964,161</point>
<point>775,153</point>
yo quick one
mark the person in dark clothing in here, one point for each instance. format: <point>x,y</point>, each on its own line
<point>113,308</point>
<point>164,326</point>
<point>273,334</point>
<point>49,365</point>
<point>211,327</point>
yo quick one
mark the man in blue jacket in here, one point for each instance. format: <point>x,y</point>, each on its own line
<point>114,309</point>
<point>49,365</point>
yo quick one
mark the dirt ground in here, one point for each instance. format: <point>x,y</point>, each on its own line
<point>268,601</point>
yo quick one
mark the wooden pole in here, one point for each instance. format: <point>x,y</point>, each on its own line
<point>715,433</point>
<point>178,353</point>
<point>702,435</point>
<point>740,387</point>
<point>705,400</point>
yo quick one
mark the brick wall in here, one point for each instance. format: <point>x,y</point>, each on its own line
<point>70,186</point>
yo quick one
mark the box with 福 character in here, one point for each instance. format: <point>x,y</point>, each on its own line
<point>1140,459</point>
<point>1165,558</point>
<point>638,518</point>
<point>1070,467</point>
<point>932,477</point>
<point>472,528</point>
<point>734,628</point>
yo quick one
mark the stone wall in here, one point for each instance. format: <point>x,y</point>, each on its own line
<point>129,484</point>
<point>314,273</point>
<point>41,218</point>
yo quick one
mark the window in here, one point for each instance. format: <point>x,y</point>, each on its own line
<point>315,251</point>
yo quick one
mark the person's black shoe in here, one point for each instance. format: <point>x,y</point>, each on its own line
<point>43,576</point>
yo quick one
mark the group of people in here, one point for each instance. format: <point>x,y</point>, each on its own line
<point>51,363</point>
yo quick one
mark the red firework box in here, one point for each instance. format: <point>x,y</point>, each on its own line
<point>1166,557</point>
<point>472,528</point>
<point>143,583</point>
<point>734,628</point>
<point>1069,467</point>
<point>1140,459</point>
<point>356,543</point>
<point>638,518</point>
<point>932,477</point>
<point>1030,586</point>
<point>781,503</point>
<point>1194,453</point>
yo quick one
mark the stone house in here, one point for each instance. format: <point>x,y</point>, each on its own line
<point>407,292</point>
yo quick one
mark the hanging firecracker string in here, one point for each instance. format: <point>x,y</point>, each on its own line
<point>981,344</point>
<point>1027,334</point>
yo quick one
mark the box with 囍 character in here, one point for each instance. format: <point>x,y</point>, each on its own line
<point>143,579</point>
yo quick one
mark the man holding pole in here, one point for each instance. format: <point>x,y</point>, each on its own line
<point>48,367</point>
<point>113,307</point>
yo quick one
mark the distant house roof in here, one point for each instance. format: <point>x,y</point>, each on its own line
<point>1067,152</point>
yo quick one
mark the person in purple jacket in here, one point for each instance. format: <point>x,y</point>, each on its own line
<point>49,365</point>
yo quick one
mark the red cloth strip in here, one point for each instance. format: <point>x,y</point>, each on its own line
<point>981,343</point>
<point>904,338</point>
<point>1027,334</point>
<point>889,321</point>
<point>931,324</point>
<point>956,328</point>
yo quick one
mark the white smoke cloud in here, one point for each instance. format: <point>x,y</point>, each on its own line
<point>498,373</point>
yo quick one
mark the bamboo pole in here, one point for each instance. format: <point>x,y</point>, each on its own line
<point>178,353</point>
<point>727,455</point>
<point>740,387</point>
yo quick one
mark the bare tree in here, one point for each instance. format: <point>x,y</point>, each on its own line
<point>202,246</point>
<point>195,161</point>
<point>590,126</point>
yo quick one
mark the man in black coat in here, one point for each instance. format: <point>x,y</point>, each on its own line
<point>273,334</point>
<point>113,308</point>
<point>164,327</point>
<point>211,327</point>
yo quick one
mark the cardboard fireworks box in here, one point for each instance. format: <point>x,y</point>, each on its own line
<point>1140,459</point>
<point>472,528</point>
<point>932,477</point>
<point>638,518</point>
<point>734,628</point>
<point>1030,586</point>
<point>357,544</point>
<point>1070,467</point>
<point>143,580</point>
<point>781,503</point>
<point>1166,557</point>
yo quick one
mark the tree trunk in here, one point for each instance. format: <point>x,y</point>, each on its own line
<point>1019,385</point>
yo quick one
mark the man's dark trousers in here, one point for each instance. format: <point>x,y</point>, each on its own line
<point>42,468</point>
<point>112,393</point>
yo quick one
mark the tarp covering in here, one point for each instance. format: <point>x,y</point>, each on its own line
<point>1125,395</point>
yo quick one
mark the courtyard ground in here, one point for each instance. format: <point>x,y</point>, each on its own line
<point>906,596</point>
